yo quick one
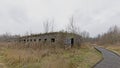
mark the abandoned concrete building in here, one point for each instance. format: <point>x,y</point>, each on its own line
<point>61,38</point>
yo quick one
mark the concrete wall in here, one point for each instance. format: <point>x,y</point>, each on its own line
<point>56,38</point>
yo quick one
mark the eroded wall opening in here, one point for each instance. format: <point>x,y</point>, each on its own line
<point>24,40</point>
<point>34,40</point>
<point>30,40</point>
<point>72,42</point>
<point>39,40</point>
<point>53,40</point>
<point>45,40</point>
<point>27,40</point>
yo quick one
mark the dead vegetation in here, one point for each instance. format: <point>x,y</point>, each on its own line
<point>115,48</point>
<point>21,56</point>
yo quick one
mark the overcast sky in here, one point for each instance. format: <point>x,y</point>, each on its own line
<point>94,16</point>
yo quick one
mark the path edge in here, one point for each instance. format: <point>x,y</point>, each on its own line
<point>114,52</point>
<point>99,60</point>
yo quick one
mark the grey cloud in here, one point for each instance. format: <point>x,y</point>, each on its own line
<point>18,15</point>
<point>94,16</point>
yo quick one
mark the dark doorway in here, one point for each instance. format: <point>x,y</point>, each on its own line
<point>34,40</point>
<point>31,40</point>
<point>39,40</point>
<point>24,40</point>
<point>27,40</point>
<point>45,40</point>
<point>53,40</point>
<point>72,42</point>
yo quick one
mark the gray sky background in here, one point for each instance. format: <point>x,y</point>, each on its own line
<point>94,16</point>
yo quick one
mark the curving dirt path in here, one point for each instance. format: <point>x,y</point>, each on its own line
<point>110,59</point>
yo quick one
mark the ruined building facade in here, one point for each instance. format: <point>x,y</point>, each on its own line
<point>57,38</point>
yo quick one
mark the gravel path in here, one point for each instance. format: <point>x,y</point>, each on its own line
<point>110,59</point>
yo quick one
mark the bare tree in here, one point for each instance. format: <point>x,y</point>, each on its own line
<point>72,26</point>
<point>85,34</point>
<point>7,37</point>
<point>52,25</point>
<point>112,36</point>
<point>48,26</point>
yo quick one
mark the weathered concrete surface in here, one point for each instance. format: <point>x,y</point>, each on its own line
<point>110,59</point>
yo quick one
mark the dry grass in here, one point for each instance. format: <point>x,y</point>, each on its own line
<point>39,57</point>
<point>115,48</point>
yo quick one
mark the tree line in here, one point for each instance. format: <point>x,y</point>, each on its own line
<point>112,36</point>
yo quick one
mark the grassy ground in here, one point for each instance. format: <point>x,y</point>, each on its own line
<point>115,48</point>
<point>16,57</point>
